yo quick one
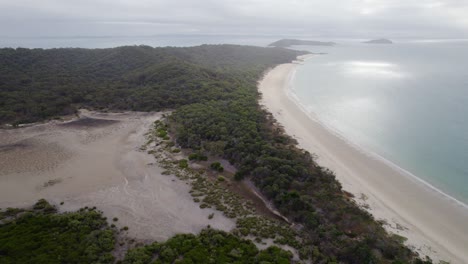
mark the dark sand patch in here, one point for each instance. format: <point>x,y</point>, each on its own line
<point>31,155</point>
<point>15,146</point>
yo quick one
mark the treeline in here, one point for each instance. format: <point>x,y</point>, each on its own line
<point>38,84</point>
<point>41,235</point>
<point>213,89</point>
<point>309,195</point>
<point>210,246</point>
<point>240,131</point>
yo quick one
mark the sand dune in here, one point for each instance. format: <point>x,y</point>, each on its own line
<point>434,225</point>
<point>96,161</point>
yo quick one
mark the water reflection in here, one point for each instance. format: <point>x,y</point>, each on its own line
<point>370,69</point>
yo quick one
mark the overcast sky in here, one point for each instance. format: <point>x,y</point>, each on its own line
<point>326,18</point>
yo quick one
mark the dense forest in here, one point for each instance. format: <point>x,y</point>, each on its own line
<point>213,91</point>
<point>41,235</point>
<point>40,84</point>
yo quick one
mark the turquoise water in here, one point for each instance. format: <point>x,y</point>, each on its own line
<point>406,102</point>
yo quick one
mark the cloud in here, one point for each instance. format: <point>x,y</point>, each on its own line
<point>334,18</point>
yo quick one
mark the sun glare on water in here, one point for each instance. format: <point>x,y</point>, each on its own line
<point>371,69</point>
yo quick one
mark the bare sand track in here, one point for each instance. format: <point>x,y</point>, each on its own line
<point>96,160</point>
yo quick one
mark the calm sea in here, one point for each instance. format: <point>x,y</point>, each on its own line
<point>406,102</point>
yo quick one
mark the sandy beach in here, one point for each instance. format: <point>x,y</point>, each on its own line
<point>435,225</point>
<point>96,160</point>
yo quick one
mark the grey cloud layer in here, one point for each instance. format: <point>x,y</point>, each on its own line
<point>359,18</point>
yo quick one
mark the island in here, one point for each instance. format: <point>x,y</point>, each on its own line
<point>284,43</point>
<point>379,41</point>
<point>165,155</point>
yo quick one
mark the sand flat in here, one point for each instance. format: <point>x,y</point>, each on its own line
<point>96,160</point>
<point>434,225</point>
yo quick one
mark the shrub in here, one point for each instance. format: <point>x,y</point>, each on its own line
<point>197,156</point>
<point>162,133</point>
<point>238,176</point>
<point>176,150</point>
<point>42,204</point>
<point>183,163</point>
<point>217,166</point>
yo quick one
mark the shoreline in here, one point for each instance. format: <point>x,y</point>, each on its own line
<point>387,191</point>
<point>373,155</point>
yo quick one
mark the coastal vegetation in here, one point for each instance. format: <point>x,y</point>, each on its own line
<point>39,84</point>
<point>217,166</point>
<point>213,90</point>
<point>213,191</point>
<point>210,246</point>
<point>41,235</point>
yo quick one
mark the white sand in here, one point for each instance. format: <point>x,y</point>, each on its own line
<point>434,225</point>
<point>97,161</point>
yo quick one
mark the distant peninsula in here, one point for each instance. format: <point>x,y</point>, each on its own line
<point>379,41</point>
<point>284,43</point>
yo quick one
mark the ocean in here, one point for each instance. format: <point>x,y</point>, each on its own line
<point>406,103</point>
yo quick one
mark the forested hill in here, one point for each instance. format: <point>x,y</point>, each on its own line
<point>37,84</point>
<point>284,43</point>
